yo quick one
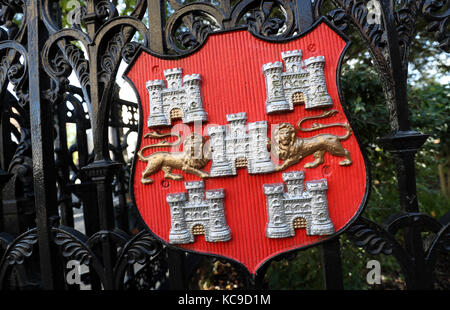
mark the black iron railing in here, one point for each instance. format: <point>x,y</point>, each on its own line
<point>64,143</point>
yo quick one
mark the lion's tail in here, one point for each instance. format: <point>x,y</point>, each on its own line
<point>348,133</point>
<point>157,135</point>
<point>317,126</point>
<point>142,157</point>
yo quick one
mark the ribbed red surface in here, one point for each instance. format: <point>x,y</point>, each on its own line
<point>230,65</point>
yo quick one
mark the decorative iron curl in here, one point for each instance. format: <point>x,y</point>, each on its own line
<point>439,21</point>
<point>193,15</point>
<point>352,12</point>
<point>440,243</point>
<point>13,70</point>
<point>60,58</point>
<point>375,240</point>
<point>262,20</point>
<point>105,11</point>
<point>201,18</point>
<point>16,4</point>
<point>5,240</point>
<point>21,248</point>
<point>405,19</point>
<point>8,11</point>
<point>115,44</point>
<point>365,234</point>
<point>10,68</point>
<point>129,51</point>
<point>116,236</point>
<point>141,249</point>
<point>75,246</point>
<point>107,43</point>
<point>16,252</point>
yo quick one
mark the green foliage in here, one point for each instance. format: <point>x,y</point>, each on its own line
<point>305,271</point>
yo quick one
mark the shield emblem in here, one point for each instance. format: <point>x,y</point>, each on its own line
<point>245,150</point>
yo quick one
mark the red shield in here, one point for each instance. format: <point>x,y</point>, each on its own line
<point>235,91</point>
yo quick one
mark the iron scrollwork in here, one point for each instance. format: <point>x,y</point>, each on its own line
<point>16,252</point>
<point>188,25</point>
<point>383,239</point>
<point>438,15</point>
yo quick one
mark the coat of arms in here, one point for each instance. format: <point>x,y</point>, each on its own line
<point>245,151</point>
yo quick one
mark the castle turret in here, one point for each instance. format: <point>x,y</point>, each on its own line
<point>156,114</point>
<point>191,214</point>
<point>179,233</point>
<point>218,228</point>
<point>173,78</point>
<point>276,100</point>
<point>321,223</point>
<point>181,99</point>
<point>260,161</point>
<point>220,164</point>
<point>237,146</point>
<point>293,61</point>
<point>318,96</point>
<point>195,112</point>
<point>276,226</point>
<point>195,191</point>
<point>237,123</point>
<point>303,82</point>
<point>294,182</point>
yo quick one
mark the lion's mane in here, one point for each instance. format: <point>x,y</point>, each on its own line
<point>194,161</point>
<point>285,149</point>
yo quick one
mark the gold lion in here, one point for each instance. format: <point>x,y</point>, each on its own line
<point>190,160</point>
<point>292,149</point>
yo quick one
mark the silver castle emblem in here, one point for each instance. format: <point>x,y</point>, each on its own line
<point>297,208</point>
<point>200,213</point>
<point>235,147</point>
<point>303,82</point>
<point>181,99</point>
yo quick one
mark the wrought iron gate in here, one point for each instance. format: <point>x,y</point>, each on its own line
<point>55,81</point>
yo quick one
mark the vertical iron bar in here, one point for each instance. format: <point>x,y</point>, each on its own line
<point>157,20</point>
<point>303,14</point>
<point>102,170</point>
<point>398,68</point>
<point>42,143</point>
<point>99,132</point>
<point>102,174</point>
<point>403,143</point>
<point>63,167</point>
<point>406,179</point>
<point>4,177</point>
<point>121,209</point>
<point>6,151</point>
<point>332,264</point>
<point>177,269</point>
<point>422,277</point>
